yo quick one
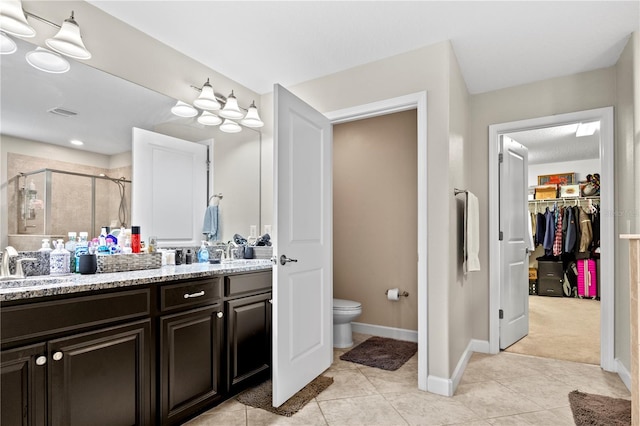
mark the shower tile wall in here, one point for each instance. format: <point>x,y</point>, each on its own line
<point>71,200</point>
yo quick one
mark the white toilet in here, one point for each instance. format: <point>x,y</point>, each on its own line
<point>344,311</point>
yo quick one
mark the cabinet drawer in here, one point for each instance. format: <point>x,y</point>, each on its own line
<point>33,320</point>
<point>550,287</point>
<point>190,293</point>
<point>550,270</point>
<point>236,285</point>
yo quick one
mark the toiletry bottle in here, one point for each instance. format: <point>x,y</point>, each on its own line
<point>59,260</point>
<point>102,242</point>
<point>70,246</point>
<point>188,257</point>
<point>45,245</point>
<point>82,247</point>
<point>203,253</point>
<point>135,239</point>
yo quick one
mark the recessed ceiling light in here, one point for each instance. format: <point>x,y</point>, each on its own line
<point>76,142</point>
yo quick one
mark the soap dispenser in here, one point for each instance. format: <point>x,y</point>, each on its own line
<point>59,260</point>
<point>45,245</point>
<point>203,253</point>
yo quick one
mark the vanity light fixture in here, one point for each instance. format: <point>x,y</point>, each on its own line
<point>13,20</point>
<point>7,45</point>
<point>207,99</point>
<point>182,109</point>
<point>231,109</point>
<point>68,40</point>
<point>209,119</point>
<point>230,126</point>
<point>47,61</point>
<point>252,119</point>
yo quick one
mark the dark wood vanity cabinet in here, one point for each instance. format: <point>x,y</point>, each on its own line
<point>248,311</point>
<point>190,348</point>
<point>73,376</point>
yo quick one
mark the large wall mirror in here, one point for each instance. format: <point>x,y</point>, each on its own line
<point>49,195</point>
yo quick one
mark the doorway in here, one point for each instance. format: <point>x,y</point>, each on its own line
<point>403,103</point>
<point>605,117</point>
<point>564,323</point>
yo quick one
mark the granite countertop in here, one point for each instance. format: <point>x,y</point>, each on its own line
<point>45,285</point>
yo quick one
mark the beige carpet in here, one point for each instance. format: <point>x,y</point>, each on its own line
<point>562,328</point>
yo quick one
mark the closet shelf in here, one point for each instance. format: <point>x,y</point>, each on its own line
<point>564,199</point>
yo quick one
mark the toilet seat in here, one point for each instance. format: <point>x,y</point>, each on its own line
<point>346,305</point>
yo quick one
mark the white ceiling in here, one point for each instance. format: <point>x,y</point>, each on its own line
<point>558,144</point>
<point>498,44</point>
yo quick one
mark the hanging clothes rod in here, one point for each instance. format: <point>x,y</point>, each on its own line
<point>457,191</point>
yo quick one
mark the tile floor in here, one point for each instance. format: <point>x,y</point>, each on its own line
<point>503,389</point>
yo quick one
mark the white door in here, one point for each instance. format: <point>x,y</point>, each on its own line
<point>514,246</point>
<point>169,188</point>
<point>302,291</point>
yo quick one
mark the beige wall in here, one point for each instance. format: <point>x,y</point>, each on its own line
<point>375,209</point>
<point>627,188</point>
<point>461,296</point>
<point>577,92</point>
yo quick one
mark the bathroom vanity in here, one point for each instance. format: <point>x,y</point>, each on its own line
<point>142,347</point>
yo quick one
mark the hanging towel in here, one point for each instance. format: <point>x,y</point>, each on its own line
<point>211,224</point>
<point>473,233</point>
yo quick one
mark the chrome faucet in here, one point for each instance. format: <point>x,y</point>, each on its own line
<point>6,254</point>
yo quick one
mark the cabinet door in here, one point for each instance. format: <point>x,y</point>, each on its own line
<point>22,381</point>
<point>190,354</point>
<point>101,377</point>
<point>249,338</point>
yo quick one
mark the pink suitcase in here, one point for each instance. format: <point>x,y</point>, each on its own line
<point>587,281</point>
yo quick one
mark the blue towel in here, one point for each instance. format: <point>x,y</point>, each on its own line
<point>211,227</point>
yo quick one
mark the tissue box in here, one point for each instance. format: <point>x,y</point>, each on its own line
<point>128,262</point>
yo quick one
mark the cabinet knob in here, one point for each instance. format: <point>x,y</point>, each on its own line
<point>219,314</point>
<point>57,356</point>
<point>41,360</point>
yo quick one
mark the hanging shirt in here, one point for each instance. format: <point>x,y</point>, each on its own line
<point>540,229</point>
<point>570,237</point>
<point>550,230</point>
<point>557,239</point>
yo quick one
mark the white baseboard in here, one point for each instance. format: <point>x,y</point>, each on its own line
<point>624,374</point>
<point>447,387</point>
<point>383,331</point>
<point>480,346</point>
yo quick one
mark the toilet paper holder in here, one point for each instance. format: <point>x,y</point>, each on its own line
<point>402,293</point>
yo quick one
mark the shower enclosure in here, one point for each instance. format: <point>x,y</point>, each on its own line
<point>49,203</point>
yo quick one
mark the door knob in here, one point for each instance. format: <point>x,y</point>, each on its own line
<point>284,259</point>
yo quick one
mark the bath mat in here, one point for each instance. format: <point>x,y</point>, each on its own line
<point>599,410</point>
<point>381,352</point>
<point>260,396</point>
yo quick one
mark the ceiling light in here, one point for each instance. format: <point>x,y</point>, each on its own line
<point>587,129</point>
<point>68,40</point>
<point>209,119</point>
<point>182,109</point>
<point>231,109</point>
<point>7,45</point>
<point>252,119</point>
<point>230,126</point>
<point>13,21</point>
<point>47,61</point>
<point>207,99</point>
<point>76,142</point>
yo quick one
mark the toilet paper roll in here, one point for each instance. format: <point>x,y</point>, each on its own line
<point>393,294</point>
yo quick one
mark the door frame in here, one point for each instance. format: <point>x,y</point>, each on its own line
<point>605,115</point>
<point>417,101</point>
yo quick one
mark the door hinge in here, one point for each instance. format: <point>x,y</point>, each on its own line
<point>500,314</point>
<point>500,158</point>
<point>500,236</point>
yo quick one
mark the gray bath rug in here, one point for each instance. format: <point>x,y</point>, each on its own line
<point>381,352</point>
<point>260,396</point>
<point>599,410</point>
